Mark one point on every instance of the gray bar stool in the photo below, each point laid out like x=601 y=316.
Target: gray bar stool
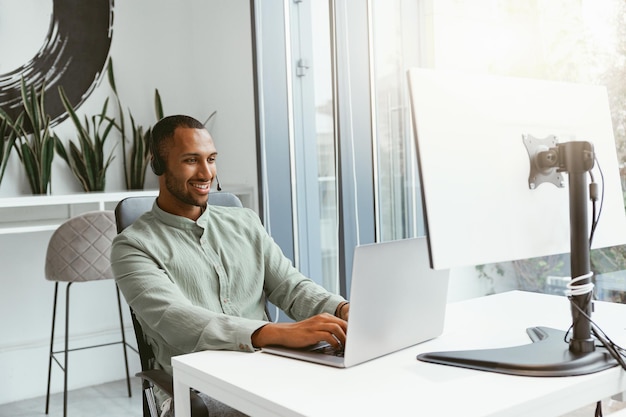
x=79 y=251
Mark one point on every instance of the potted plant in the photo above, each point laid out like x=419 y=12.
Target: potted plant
x=33 y=139
x=87 y=159
x=135 y=160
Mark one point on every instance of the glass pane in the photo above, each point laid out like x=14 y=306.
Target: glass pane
x=395 y=43
x=325 y=137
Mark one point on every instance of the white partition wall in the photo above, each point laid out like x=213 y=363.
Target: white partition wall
x=199 y=56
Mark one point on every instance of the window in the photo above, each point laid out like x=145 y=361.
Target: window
x=574 y=41
x=314 y=107
x=335 y=116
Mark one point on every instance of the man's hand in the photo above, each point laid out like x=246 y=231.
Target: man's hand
x=321 y=328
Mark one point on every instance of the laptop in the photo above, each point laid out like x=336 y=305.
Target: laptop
x=396 y=301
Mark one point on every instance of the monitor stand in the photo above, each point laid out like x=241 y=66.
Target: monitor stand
x=550 y=354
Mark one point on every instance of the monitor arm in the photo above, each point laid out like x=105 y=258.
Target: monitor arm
x=548 y=160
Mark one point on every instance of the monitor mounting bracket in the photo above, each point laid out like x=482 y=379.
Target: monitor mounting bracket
x=543 y=161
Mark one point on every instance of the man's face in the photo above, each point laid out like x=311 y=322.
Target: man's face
x=190 y=169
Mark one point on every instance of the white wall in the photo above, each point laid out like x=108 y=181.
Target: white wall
x=198 y=54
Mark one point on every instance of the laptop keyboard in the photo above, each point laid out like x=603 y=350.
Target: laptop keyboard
x=328 y=349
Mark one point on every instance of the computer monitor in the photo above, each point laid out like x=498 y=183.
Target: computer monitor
x=483 y=144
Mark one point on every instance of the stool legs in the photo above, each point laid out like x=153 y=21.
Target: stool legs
x=124 y=345
x=67 y=337
x=66 y=350
x=51 y=354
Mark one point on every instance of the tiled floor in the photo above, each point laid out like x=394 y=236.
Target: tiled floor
x=111 y=400
x=106 y=400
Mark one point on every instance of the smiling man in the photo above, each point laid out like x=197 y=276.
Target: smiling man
x=198 y=276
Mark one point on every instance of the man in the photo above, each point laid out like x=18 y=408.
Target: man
x=197 y=276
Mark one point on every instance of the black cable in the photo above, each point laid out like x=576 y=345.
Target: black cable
x=616 y=351
x=593 y=194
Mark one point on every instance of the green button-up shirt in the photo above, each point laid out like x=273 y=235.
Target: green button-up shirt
x=198 y=285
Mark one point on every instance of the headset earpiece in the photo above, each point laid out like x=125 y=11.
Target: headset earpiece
x=156 y=163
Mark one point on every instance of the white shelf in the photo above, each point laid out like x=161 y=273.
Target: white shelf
x=39 y=213
x=68 y=199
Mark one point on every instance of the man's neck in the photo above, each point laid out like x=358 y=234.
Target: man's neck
x=184 y=210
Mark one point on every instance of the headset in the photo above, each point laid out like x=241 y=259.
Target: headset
x=156 y=162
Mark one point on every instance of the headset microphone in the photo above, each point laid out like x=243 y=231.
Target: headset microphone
x=219 y=187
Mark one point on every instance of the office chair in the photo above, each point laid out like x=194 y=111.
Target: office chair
x=79 y=251
x=126 y=212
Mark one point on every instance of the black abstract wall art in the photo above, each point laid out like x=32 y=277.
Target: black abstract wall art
x=73 y=55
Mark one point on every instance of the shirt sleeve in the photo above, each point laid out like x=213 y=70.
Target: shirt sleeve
x=298 y=296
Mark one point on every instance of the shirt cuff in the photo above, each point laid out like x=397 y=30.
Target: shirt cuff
x=243 y=342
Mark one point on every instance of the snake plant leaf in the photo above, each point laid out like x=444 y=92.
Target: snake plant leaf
x=4 y=116
x=158 y=105
x=107 y=163
x=8 y=137
x=139 y=156
x=70 y=111
x=47 y=156
x=30 y=165
x=60 y=149
x=78 y=167
x=111 y=76
x=29 y=101
x=90 y=162
x=15 y=126
x=208 y=119
x=10 y=123
x=5 y=131
x=143 y=156
x=86 y=159
x=108 y=128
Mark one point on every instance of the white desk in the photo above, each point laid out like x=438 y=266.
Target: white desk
x=261 y=384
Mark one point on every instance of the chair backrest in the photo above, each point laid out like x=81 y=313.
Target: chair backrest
x=126 y=212
x=80 y=249
x=129 y=209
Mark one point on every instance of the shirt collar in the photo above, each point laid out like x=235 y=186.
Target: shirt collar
x=180 y=221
